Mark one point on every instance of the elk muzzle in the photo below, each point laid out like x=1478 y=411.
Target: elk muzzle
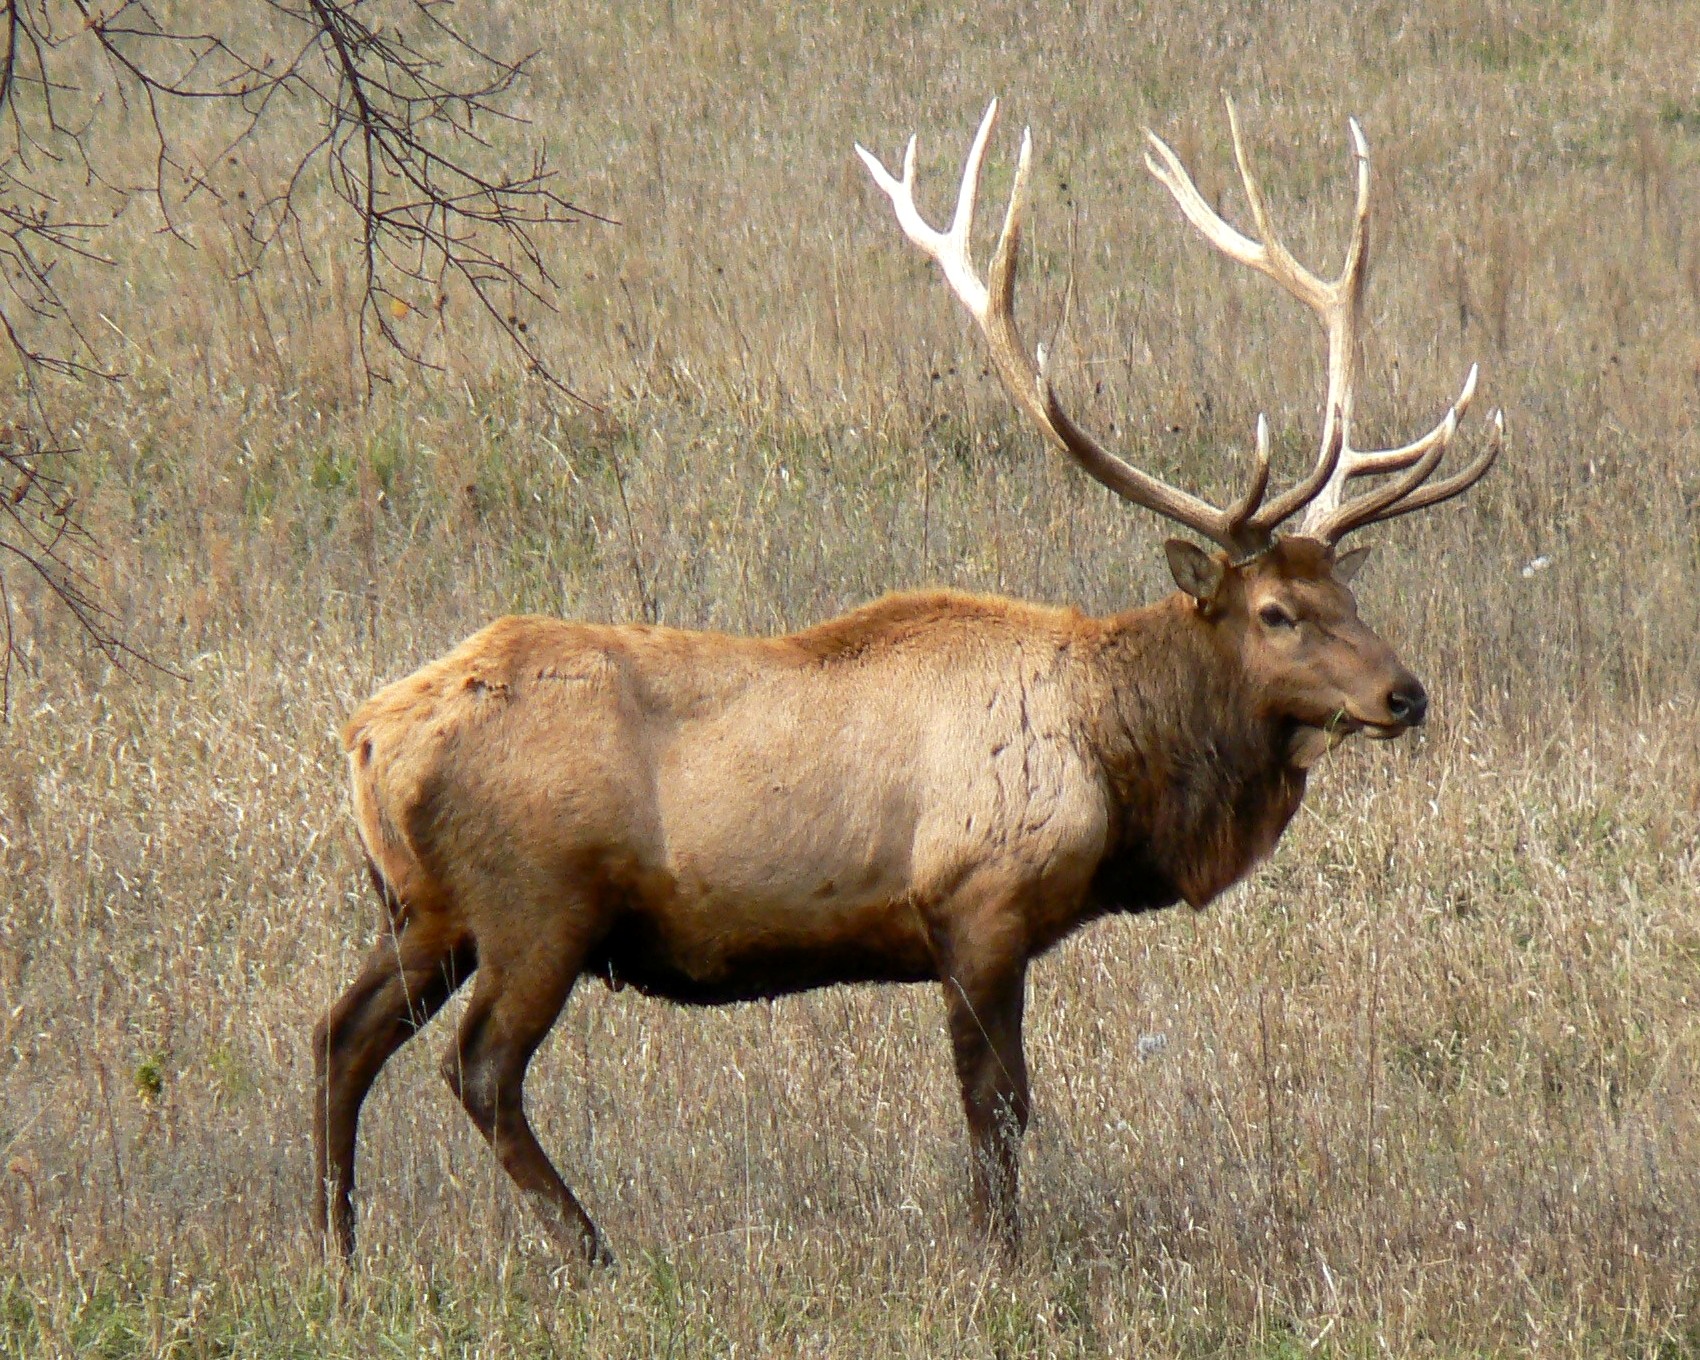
x=1406 y=704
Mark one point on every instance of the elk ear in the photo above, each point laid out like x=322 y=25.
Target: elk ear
x=1346 y=565
x=1195 y=571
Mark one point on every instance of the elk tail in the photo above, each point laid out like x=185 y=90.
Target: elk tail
x=394 y=867
x=394 y=912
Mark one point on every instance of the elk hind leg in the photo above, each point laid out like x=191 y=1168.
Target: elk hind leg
x=404 y=981
x=514 y=1004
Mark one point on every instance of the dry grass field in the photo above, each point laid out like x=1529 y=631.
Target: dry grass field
x=1428 y=1084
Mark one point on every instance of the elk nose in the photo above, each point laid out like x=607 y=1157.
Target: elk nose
x=1408 y=703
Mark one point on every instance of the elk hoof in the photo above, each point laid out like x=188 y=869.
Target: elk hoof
x=598 y=1254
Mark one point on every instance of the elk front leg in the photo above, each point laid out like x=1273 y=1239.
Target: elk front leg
x=985 y=1004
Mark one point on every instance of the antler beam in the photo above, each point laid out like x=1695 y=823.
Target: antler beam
x=1338 y=305
x=1241 y=529
x=1247 y=526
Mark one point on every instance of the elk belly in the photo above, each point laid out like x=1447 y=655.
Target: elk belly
x=769 y=885
x=706 y=948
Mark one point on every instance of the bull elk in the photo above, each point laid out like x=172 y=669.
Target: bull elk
x=712 y=819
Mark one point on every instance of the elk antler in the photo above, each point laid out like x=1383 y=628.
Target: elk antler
x=1244 y=528
x=1338 y=305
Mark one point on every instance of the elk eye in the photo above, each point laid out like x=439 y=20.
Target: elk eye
x=1274 y=616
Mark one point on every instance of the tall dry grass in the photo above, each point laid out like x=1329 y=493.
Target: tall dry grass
x=1426 y=1085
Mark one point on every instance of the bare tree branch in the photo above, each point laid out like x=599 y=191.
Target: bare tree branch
x=41 y=533
x=386 y=103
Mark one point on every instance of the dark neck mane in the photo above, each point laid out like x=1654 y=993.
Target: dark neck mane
x=1200 y=783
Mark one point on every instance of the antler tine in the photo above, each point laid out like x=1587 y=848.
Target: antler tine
x=1346 y=298
x=950 y=248
x=993 y=307
x=1306 y=490
x=1326 y=508
x=1278 y=262
x=1368 y=462
x=1331 y=521
x=1173 y=176
x=1443 y=490
x=1331 y=528
x=1241 y=513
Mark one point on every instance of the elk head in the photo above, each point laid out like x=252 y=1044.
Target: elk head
x=1288 y=619
x=1280 y=602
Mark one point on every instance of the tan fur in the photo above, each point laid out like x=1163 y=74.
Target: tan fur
x=936 y=786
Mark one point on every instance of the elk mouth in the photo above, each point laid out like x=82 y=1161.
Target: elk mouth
x=1385 y=731
x=1389 y=730
x=1309 y=742
x=1344 y=724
